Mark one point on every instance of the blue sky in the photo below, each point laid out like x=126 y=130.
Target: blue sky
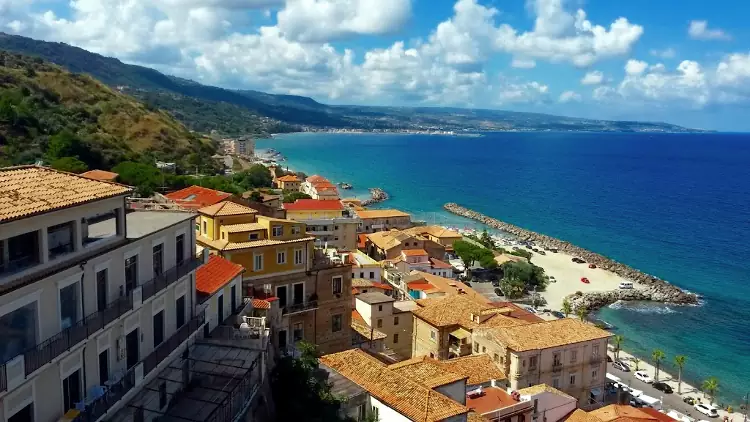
x=684 y=62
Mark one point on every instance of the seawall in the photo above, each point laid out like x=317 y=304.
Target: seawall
x=654 y=288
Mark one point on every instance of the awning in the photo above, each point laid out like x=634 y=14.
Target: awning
x=613 y=378
x=460 y=334
x=596 y=392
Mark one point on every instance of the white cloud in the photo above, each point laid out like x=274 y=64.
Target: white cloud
x=698 y=30
x=635 y=67
x=595 y=77
x=569 y=96
x=667 y=53
x=510 y=92
x=523 y=63
x=327 y=20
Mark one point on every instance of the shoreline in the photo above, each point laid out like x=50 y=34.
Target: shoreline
x=651 y=288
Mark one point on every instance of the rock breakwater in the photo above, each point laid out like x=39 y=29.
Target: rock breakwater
x=376 y=195
x=651 y=287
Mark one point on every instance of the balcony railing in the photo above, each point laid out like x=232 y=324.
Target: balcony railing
x=167 y=278
x=300 y=307
x=99 y=407
x=460 y=349
x=557 y=367
x=3 y=378
x=595 y=360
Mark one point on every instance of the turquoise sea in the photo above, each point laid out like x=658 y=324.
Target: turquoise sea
x=673 y=205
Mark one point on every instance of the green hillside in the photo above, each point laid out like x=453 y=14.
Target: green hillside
x=41 y=103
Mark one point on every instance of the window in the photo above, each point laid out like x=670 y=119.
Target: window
x=395 y=320
x=277 y=231
x=298 y=257
x=532 y=361
x=380 y=308
x=69 y=305
x=158 y=256
x=162 y=395
x=19 y=331
x=253 y=236
x=573 y=356
x=205 y=228
x=556 y=359
x=395 y=338
x=595 y=350
x=556 y=382
x=572 y=380
x=594 y=374
x=336 y=323
x=180 y=311
x=101 y=290
x=496 y=357
x=60 y=239
x=180 y=249
x=335 y=227
x=103 y=366
x=476 y=347
x=296 y=230
x=281 y=257
x=258 y=263
x=372 y=275
x=131 y=273
x=380 y=323
x=338 y=285
x=72 y=390
x=484 y=349
x=433 y=336
x=222 y=235
x=297 y=332
x=158 y=321
x=361 y=274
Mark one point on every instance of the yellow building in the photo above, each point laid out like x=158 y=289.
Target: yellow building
x=327 y=220
x=437 y=234
x=380 y=220
x=289 y=182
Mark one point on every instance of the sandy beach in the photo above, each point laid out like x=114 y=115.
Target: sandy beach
x=568 y=275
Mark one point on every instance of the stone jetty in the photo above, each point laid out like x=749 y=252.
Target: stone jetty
x=651 y=287
x=376 y=195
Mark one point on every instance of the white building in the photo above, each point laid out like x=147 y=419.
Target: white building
x=94 y=301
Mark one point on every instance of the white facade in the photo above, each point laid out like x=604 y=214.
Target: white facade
x=550 y=406
x=74 y=325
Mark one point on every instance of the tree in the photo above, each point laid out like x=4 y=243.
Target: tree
x=256 y=196
x=257 y=176
x=521 y=252
x=582 y=313
x=710 y=387
x=145 y=178
x=680 y=361
x=657 y=355
x=69 y=164
x=486 y=240
x=299 y=390
x=636 y=361
x=466 y=251
x=293 y=196
x=63 y=144
x=618 y=340
x=567 y=309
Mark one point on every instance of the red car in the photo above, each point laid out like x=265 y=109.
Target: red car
x=585 y=280
x=592 y=265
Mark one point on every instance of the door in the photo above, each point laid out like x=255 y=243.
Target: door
x=24 y=415
x=180 y=310
x=282 y=340
x=103 y=367
x=72 y=390
x=132 y=348
x=158 y=328
x=101 y=290
x=220 y=310
x=282 y=295
x=299 y=292
x=233 y=299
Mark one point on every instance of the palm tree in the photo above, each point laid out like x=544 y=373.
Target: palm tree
x=566 y=308
x=711 y=386
x=618 y=340
x=636 y=361
x=680 y=361
x=658 y=356
x=582 y=313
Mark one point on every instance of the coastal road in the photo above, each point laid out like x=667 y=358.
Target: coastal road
x=669 y=401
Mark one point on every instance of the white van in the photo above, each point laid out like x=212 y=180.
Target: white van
x=626 y=285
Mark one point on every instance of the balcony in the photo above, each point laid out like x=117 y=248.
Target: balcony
x=123 y=384
x=557 y=367
x=167 y=278
x=300 y=307
x=596 y=360
x=459 y=349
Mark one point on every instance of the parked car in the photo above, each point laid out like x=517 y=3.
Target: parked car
x=663 y=387
x=609 y=358
x=552 y=279
x=690 y=400
x=707 y=410
x=496 y=283
x=622 y=366
x=558 y=314
x=592 y=265
x=585 y=280
x=643 y=376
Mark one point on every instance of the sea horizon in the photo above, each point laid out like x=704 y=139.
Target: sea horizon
x=659 y=202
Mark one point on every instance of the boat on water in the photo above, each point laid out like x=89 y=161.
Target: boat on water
x=345 y=185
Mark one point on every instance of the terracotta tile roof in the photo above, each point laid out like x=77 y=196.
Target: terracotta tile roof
x=436 y=263
x=386 y=240
x=518 y=312
x=361 y=241
x=494 y=399
x=661 y=417
x=261 y=304
x=359 y=325
x=411 y=399
x=579 y=415
x=316 y=178
x=458 y=310
x=215 y=274
x=226 y=208
x=103 y=175
x=479 y=368
x=475 y=417
x=426 y=371
x=313 y=205
x=546 y=334
x=542 y=388
x=224 y=245
x=384 y=286
x=244 y=227
x=414 y=252
x=621 y=413
x=195 y=197
x=288 y=178
x=435 y=231
x=361 y=282
x=355 y=291
x=452 y=287
x=382 y=213
x=32 y=190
